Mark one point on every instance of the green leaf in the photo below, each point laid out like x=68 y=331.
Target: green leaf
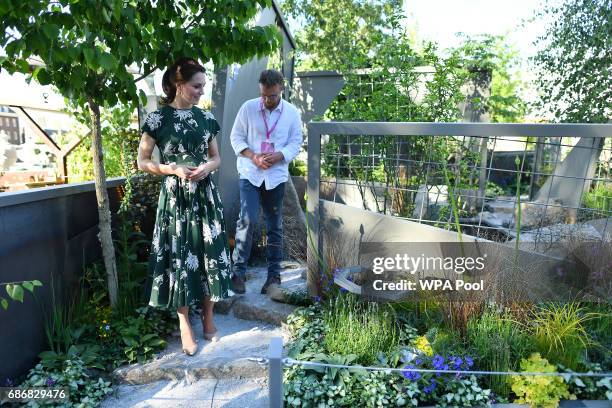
x=43 y=77
x=124 y=47
x=28 y=286
x=15 y=292
x=89 y=58
x=36 y=282
x=107 y=61
x=4 y=303
x=51 y=31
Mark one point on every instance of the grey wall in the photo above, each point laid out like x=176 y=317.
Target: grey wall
x=47 y=233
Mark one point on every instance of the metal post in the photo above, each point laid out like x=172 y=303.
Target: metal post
x=275 y=372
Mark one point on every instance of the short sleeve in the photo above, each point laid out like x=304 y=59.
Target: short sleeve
x=213 y=125
x=152 y=124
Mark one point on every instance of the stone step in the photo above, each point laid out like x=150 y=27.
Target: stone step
x=252 y=393
x=230 y=358
x=254 y=306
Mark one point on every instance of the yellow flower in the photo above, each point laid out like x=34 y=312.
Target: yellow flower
x=422 y=344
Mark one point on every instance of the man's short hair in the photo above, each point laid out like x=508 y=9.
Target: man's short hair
x=271 y=77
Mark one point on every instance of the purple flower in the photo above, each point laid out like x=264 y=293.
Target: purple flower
x=437 y=361
x=50 y=382
x=430 y=388
x=107 y=327
x=411 y=375
x=418 y=361
x=456 y=362
x=343 y=289
x=317 y=299
x=469 y=362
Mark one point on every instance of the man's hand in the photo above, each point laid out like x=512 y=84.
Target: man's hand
x=259 y=159
x=199 y=173
x=273 y=158
x=184 y=172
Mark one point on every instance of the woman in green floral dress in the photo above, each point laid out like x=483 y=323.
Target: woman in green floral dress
x=190 y=258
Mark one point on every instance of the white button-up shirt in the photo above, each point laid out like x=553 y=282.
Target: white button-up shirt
x=250 y=130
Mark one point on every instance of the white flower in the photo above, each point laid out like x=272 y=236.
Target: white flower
x=154 y=120
x=192 y=122
x=172 y=201
x=207 y=235
x=223 y=257
x=212 y=264
x=183 y=114
x=156 y=240
x=177 y=127
x=170 y=183
x=217 y=225
x=158 y=280
x=215 y=298
x=174 y=244
x=209 y=194
x=181 y=148
x=168 y=149
x=172 y=280
x=192 y=261
x=184 y=274
x=208 y=115
x=177 y=226
x=214 y=232
x=230 y=292
x=192 y=186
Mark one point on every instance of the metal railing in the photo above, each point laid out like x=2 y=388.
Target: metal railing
x=276 y=362
x=395 y=168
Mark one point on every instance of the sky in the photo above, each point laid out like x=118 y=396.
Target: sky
x=439 y=20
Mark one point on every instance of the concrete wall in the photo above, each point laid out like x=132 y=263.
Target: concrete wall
x=47 y=233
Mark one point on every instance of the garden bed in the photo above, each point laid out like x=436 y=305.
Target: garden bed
x=344 y=330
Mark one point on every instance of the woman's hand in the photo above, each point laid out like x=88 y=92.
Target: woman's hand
x=199 y=173
x=184 y=172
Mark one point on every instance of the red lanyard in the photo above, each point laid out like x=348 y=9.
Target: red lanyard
x=263 y=115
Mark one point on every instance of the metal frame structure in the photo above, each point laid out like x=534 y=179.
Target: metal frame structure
x=317 y=129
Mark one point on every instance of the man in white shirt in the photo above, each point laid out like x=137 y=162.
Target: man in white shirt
x=266 y=136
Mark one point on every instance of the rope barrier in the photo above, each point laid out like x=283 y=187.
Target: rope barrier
x=290 y=361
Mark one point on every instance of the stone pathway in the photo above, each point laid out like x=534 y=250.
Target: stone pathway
x=221 y=374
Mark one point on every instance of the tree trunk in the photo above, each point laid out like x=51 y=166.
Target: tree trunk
x=104 y=214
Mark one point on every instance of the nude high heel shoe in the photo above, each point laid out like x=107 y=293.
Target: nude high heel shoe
x=190 y=351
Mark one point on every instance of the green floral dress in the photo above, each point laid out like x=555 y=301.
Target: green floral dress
x=190 y=256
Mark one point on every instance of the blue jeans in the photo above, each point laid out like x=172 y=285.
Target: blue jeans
x=251 y=198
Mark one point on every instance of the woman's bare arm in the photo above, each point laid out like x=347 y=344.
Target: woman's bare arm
x=145 y=150
x=212 y=164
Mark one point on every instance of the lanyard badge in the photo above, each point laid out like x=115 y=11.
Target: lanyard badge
x=267 y=146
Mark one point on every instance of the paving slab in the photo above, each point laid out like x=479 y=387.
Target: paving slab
x=229 y=358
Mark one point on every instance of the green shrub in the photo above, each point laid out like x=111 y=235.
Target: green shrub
x=297 y=167
x=499 y=344
x=84 y=390
x=599 y=329
x=360 y=328
x=589 y=388
x=560 y=335
x=600 y=200
x=539 y=391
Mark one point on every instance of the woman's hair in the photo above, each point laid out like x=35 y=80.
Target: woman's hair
x=178 y=73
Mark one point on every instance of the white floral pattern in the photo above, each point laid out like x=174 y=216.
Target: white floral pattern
x=192 y=261
x=189 y=243
x=154 y=120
